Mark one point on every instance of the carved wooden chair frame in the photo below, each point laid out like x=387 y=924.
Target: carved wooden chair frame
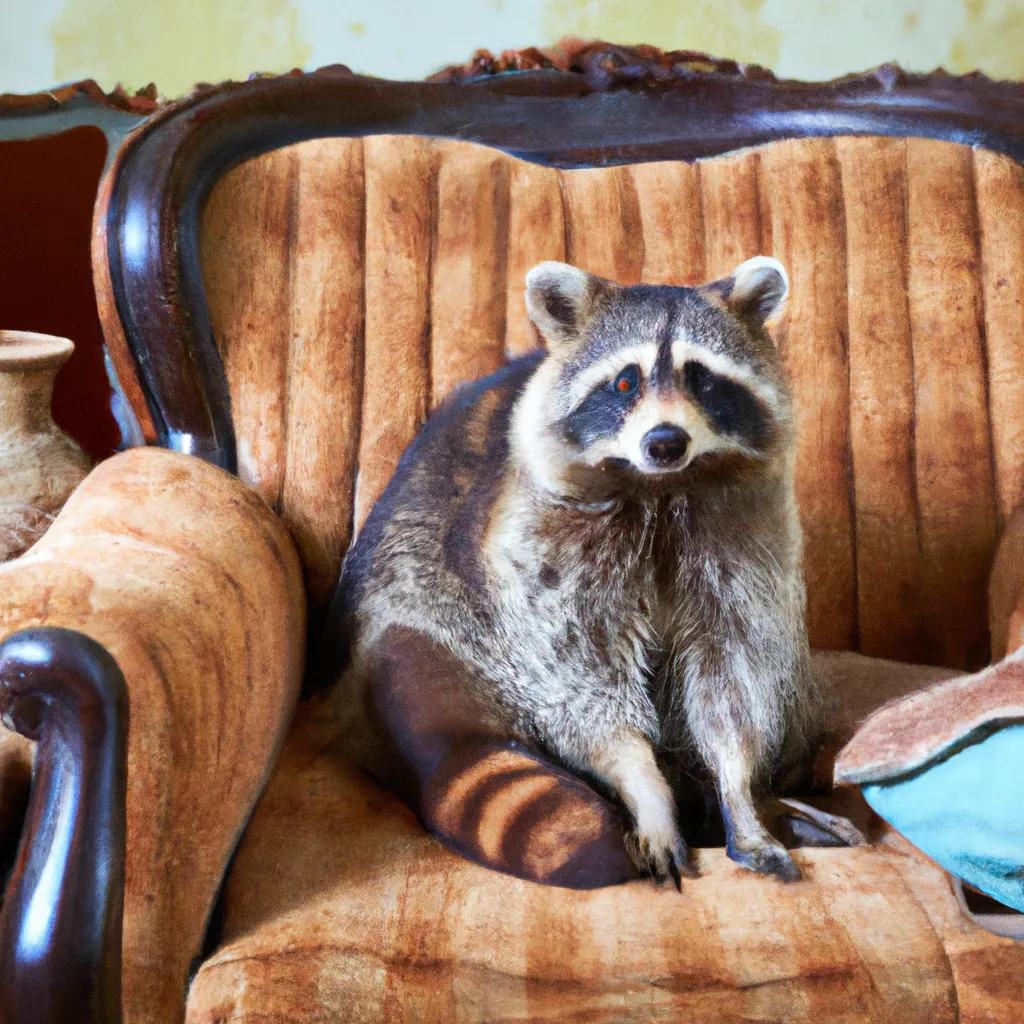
x=612 y=106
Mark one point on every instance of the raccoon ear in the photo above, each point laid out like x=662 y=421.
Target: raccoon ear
x=560 y=299
x=755 y=290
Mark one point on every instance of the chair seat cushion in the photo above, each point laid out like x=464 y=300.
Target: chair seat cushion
x=340 y=907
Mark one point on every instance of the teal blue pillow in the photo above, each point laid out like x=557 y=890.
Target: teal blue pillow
x=966 y=811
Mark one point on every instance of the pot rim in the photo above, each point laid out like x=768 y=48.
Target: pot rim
x=26 y=350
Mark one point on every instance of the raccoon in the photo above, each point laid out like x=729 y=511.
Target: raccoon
x=602 y=539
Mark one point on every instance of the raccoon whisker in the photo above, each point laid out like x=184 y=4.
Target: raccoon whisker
x=752 y=453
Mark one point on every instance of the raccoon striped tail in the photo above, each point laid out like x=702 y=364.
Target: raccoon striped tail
x=487 y=798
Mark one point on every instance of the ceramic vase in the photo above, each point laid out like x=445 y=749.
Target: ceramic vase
x=39 y=464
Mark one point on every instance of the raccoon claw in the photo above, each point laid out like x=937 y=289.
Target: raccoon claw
x=680 y=865
x=673 y=870
x=766 y=858
x=662 y=859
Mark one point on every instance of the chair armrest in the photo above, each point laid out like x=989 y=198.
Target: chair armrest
x=60 y=924
x=193 y=586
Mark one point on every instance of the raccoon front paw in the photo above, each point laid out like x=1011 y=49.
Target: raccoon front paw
x=661 y=853
x=766 y=856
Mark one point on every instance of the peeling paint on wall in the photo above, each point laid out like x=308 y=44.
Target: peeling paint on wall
x=992 y=37
x=179 y=44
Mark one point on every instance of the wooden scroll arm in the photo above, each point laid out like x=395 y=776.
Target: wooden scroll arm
x=60 y=923
x=626 y=106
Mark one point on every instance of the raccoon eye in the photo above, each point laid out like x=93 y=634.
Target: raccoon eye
x=628 y=381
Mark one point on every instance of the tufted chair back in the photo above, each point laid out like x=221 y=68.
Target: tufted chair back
x=354 y=283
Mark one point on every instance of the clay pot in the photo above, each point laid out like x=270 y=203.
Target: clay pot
x=39 y=464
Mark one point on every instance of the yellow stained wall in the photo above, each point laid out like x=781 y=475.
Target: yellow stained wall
x=176 y=43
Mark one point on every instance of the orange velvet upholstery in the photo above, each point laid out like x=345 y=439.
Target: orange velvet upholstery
x=354 y=283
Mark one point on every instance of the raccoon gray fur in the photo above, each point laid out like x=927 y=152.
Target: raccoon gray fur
x=606 y=536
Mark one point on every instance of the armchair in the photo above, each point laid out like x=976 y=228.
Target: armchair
x=291 y=273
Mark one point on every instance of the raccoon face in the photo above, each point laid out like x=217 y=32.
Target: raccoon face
x=648 y=381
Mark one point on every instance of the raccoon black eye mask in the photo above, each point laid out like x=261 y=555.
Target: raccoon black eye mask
x=604 y=410
x=732 y=409
x=513 y=633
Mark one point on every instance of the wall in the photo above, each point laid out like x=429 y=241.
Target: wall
x=178 y=42
x=47 y=188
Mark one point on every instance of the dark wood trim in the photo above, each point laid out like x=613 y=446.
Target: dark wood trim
x=60 y=923
x=612 y=105
x=603 y=64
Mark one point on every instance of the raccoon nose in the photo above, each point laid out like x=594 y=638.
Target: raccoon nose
x=665 y=445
